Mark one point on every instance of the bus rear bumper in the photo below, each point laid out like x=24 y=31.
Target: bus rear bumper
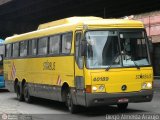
x=97 y=99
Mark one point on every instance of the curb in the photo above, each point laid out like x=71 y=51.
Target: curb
x=3 y=90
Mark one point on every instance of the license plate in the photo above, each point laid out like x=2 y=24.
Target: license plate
x=123 y=100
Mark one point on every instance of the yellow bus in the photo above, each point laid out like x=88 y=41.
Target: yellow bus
x=82 y=61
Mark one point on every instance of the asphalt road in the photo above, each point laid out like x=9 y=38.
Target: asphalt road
x=42 y=109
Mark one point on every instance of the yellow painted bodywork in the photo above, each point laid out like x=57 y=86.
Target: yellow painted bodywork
x=118 y=77
x=33 y=71
x=75 y=23
x=65 y=68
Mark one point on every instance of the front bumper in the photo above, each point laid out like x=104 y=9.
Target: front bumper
x=97 y=99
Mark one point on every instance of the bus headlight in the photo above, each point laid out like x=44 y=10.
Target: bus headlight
x=101 y=88
x=94 y=88
x=144 y=85
x=147 y=85
x=98 y=88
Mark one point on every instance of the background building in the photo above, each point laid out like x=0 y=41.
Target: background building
x=151 y=21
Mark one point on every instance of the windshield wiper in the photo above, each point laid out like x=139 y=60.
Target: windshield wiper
x=109 y=67
x=137 y=66
x=112 y=62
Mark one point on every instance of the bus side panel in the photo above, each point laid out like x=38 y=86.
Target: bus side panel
x=9 y=82
x=80 y=86
x=45 y=76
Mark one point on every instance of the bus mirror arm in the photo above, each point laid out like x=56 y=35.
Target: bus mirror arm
x=83 y=48
x=80 y=62
x=150 y=44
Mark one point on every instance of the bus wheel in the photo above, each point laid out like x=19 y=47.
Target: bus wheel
x=27 y=96
x=20 y=96
x=122 y=106
x=69 y=102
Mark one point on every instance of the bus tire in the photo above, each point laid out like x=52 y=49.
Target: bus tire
x=122 y=106
x=69 y=103
x=19 y=93
x=27 y=96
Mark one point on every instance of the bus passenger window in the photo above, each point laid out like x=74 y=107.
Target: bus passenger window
x=42 y=46
x=32 y=47
x=8 y=50
x=15 y=49
x=54 y=44
x=66 y=43
x=23 y=48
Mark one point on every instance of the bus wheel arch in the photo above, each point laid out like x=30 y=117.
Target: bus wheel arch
x=64 y=90
x=67 y=98
x=20 y=90
x=26 y=93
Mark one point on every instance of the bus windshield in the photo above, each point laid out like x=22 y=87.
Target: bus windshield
x=116 y=48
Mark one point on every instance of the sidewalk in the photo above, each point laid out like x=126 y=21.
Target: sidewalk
x=156 y=84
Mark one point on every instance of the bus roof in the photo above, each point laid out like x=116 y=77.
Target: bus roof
x=67 y=21
x=69 y=24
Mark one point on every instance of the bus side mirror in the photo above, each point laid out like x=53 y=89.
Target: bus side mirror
x=83 y=48
x=80 y=62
